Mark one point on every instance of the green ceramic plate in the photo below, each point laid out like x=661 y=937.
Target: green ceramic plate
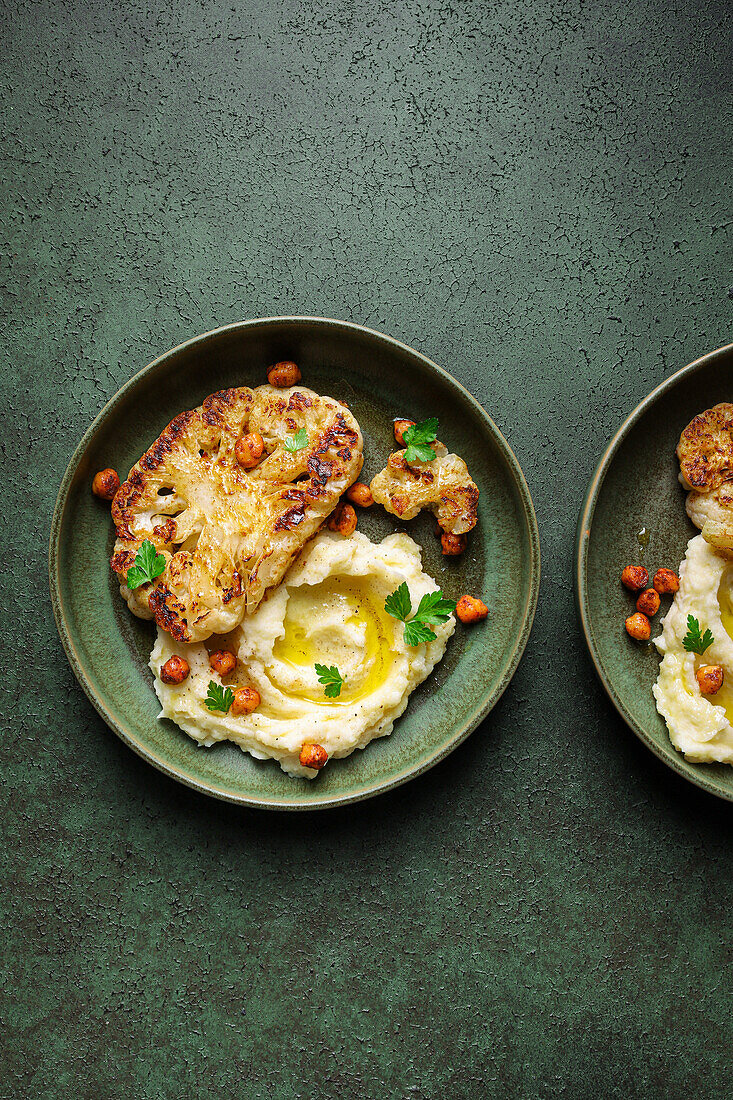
x=379 y=378
x=635 y=486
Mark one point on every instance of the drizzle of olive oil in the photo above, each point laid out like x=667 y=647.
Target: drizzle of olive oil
x=358 y=606
x=642 y=538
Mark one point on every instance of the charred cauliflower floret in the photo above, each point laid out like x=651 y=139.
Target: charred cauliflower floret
x=443 y=485
x=705 y=451
x=228 y=533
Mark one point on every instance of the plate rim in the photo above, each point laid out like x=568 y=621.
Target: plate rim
x=582 y=539
x=221 y=791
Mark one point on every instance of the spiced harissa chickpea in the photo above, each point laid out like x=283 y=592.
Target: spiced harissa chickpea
x=283 y=374
x=709 y=679
x=400 y=427
x=635 y=577
x=313 y=755
x=248 y=450
x=452 y=544
x=360 y=494
x=245 y=701
x=175 y=670
x=223 y=661
x=666 y=582
x=343 y=519
x=106 y=483
x=469 y=609
x=639 y=627
x=648 y=602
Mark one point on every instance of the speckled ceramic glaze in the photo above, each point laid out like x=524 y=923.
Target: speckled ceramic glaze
x=636 y=486
x=379 y=378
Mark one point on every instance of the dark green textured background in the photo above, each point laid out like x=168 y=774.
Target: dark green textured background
x=537 y=197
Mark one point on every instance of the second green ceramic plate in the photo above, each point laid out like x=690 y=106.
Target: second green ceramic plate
x=635 y=487
x=379 y=378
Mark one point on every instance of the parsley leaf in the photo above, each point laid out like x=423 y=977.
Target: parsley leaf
x=417 y=632
x=219 y=697
x=432 y=609
x=399 y=605
x=417 y=437
x=419 y=452
x=332 y=678
x=149 y=564
x=694 y=641
x=296 y=442
x=424 y=432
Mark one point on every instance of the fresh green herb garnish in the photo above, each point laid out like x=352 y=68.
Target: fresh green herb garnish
x=219 y=697
x=417 y=437
x=399 y=604
x=694 y=641
x=149 y=564
x=296 y=442
x=432 y=609
x=332 y=678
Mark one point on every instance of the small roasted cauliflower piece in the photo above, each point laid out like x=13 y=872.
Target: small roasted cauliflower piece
x=713 y=513
x=229 y=533
x=444 y=486
x=705 y=449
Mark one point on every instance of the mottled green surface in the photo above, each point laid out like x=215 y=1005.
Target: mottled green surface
x=538 y=198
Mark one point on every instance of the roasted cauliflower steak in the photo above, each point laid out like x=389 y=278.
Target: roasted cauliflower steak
x=443 y=485
x=229 y=534
x=705 y=453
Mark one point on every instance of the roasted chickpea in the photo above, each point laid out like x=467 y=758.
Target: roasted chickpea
x=400 y=427
x=648 y=602
x=106 y=483
x=284 y=374
x=223 y=662
x=360 y=494
x=343 y=519
x=666 y=581
x=312 y=755
x=452 y=544
x=469 y=609
x=248 y=449
x=245 y=701
x=175 y=670
x=639 y=627
x=709 y=679
x=635 y=577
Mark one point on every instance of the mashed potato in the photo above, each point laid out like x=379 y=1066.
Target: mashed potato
x=328 y=609
x=699 y=725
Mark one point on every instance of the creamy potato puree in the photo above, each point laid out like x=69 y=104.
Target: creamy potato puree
x=328 y=609
x=700 y=726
